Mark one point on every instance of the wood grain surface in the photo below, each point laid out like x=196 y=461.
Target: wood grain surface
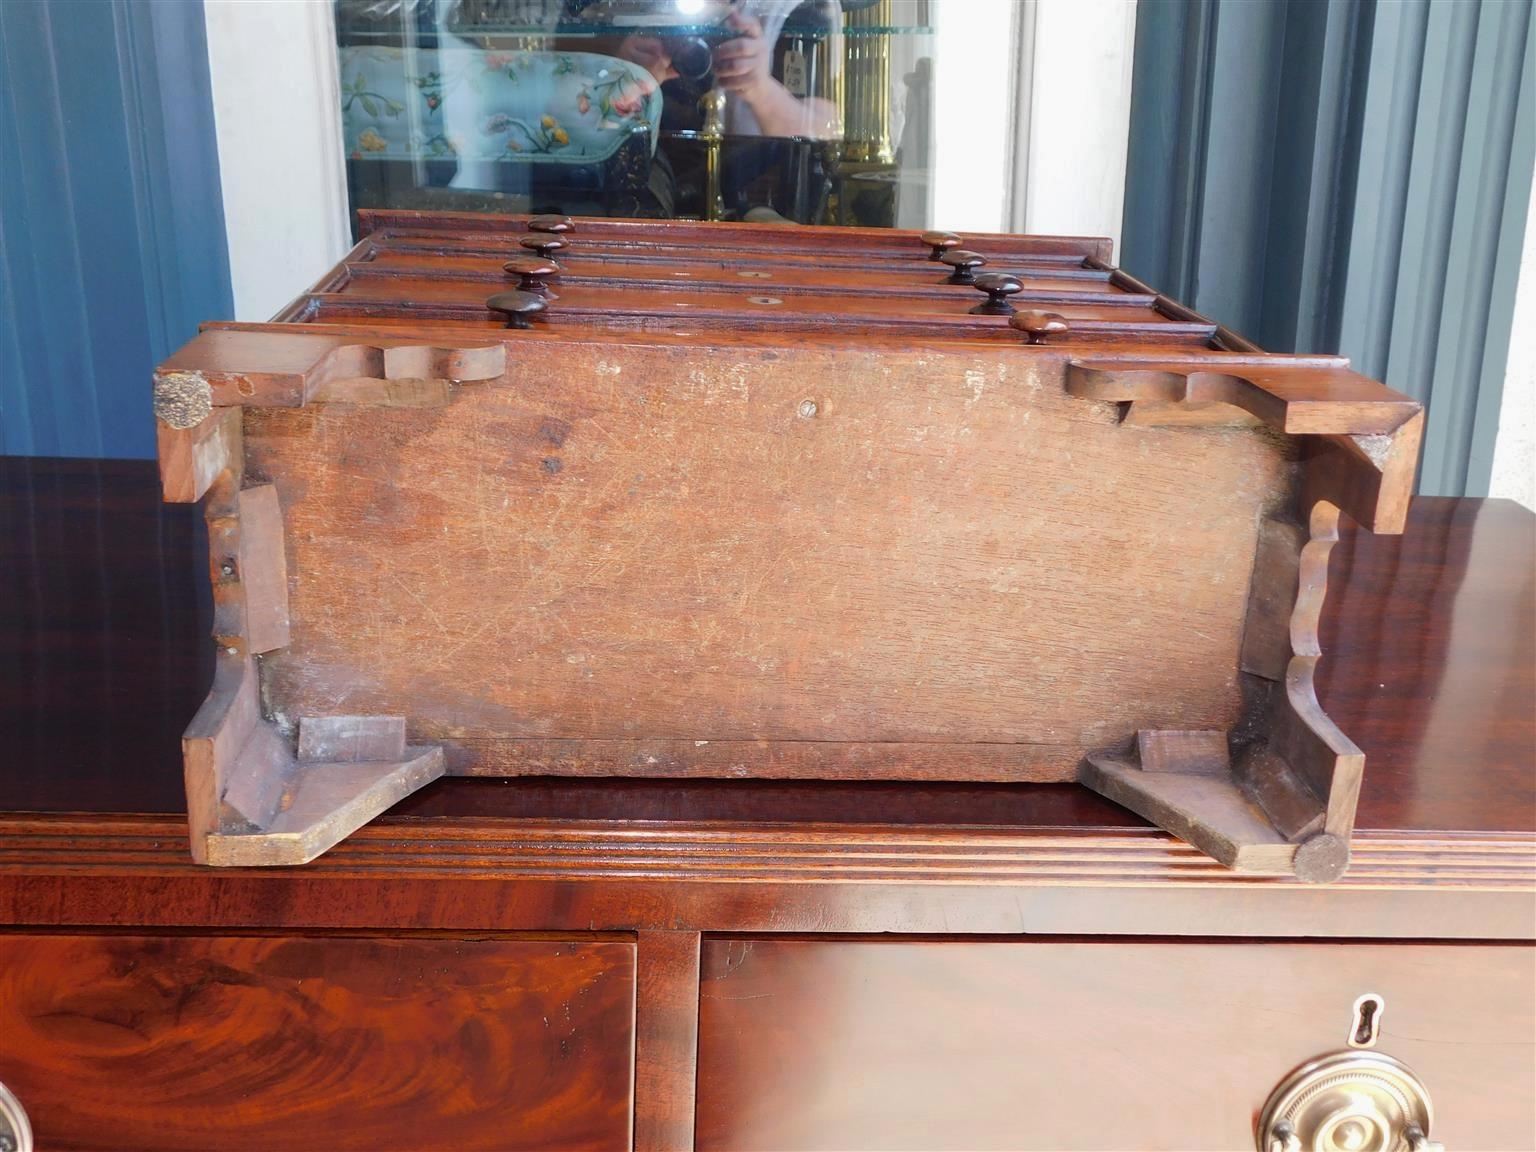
x=1045 y=281
x=666 y=1039
x=670 y=546
x=845 y=1045
x=201 y=1042
x=680 y=235
x=1429 y=644
x=677 y=279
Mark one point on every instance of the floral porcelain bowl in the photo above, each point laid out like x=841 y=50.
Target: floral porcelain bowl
x=486 y=108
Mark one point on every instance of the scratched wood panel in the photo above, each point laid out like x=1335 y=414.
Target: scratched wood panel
x=616 y=550
x=189 y=1042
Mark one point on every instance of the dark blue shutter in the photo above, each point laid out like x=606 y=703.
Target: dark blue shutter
x=112 y=245
x=1345 y=176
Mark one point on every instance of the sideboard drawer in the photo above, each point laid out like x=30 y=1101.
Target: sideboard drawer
x=198 y=1042
x=1113 y=1044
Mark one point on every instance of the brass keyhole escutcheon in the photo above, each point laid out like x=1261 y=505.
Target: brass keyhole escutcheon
x=1358 y=1101
x=1367 y=1023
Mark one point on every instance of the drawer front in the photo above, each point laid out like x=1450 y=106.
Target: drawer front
x=186 y=1042
x=930 y=1045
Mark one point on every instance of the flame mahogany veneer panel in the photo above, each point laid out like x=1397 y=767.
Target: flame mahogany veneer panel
x=834 y=563
x=194 y=1042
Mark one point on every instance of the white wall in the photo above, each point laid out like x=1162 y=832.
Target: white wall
x=1514 y=452
x=973 y=66
x=1072 y=147
x=277 y=111
x=1032 y=115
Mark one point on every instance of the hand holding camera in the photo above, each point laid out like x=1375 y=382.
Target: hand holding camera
x=743 y=63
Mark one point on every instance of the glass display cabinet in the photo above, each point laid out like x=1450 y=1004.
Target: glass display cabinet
x=812 y=111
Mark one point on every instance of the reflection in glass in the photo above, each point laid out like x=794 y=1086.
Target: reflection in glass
x=812 y=111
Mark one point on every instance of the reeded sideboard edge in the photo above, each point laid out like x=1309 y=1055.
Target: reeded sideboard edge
x=546 y=875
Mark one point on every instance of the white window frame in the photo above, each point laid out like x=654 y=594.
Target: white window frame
x=277 y=114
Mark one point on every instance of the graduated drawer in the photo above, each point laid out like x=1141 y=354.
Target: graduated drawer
x=1124 y=1045
x=258 y=1042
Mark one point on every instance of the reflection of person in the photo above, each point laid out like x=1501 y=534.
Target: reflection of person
x=758 y=104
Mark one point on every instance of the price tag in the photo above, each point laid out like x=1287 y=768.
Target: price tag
x=796 y=77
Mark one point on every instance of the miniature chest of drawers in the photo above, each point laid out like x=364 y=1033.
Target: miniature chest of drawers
x=758 y=502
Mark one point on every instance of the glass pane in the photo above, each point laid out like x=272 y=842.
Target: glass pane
x=813 y=111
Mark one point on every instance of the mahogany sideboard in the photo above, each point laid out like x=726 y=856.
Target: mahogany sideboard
x=534 y=963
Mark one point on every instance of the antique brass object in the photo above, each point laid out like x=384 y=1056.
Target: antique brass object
x=15 y=1130
x=713 y=134
x=1348 y=1102
x=866 y=97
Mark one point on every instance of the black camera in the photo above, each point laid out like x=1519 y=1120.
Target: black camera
x=687 y=29
x=692 y=56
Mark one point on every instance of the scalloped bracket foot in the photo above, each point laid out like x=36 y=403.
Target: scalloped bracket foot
x=254 y=795
x=1261 y=822
x=253 y=799
x=326 y=802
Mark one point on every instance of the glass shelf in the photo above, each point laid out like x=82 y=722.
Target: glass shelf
x=609 y=31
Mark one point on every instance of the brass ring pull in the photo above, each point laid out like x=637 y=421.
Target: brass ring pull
x=1284 y=1139
x=15 y=1130
x=1348 y=1102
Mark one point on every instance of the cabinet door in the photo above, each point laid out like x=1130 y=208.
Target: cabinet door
x=1124 y=1045
x=188 y=1042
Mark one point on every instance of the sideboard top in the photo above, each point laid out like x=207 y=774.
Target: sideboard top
x=1429 y=661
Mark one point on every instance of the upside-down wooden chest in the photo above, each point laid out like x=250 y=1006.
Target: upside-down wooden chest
x=522 y=496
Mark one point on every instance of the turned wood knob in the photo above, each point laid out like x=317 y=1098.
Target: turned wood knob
x=939 y=243
x=964 y=262
x=998 y=286
x=532 y=272
x=517 y=307
x=551 y=224
x=543 y=243
x=1036 y=326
